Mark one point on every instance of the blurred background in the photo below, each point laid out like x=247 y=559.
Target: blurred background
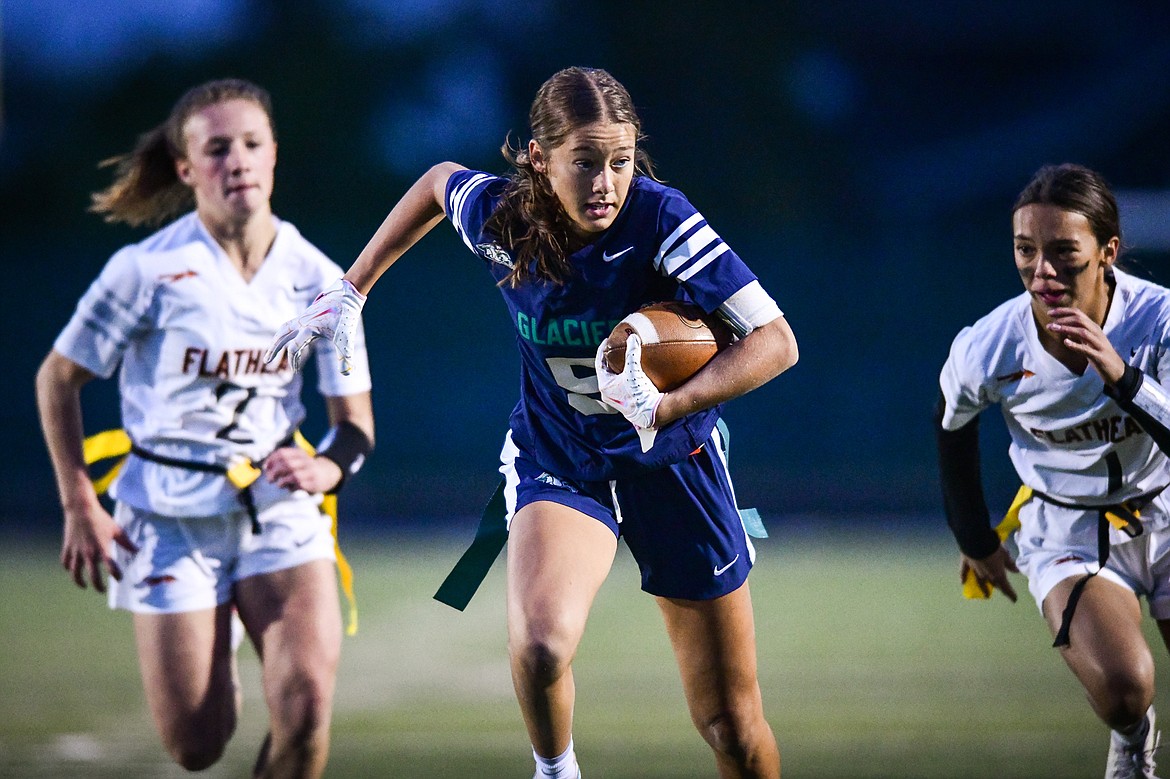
x=862 y=156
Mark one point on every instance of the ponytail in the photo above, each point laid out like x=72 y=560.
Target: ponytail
x=532 y=224
x=146 y=189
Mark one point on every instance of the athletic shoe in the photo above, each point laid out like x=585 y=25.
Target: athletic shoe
x=1134 y=761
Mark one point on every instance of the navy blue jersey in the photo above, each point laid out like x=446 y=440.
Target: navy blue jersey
x=659 y=248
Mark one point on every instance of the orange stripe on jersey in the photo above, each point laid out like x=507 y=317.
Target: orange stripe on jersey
x=173 y=277
x=1020 y=374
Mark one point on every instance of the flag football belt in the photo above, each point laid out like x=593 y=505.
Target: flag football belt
x=491 y=535
x=1125 y=516
x=109 y=444
x=242 y=474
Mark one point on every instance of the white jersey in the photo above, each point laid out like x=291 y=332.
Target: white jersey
x=1068 y=439
x=190 y=335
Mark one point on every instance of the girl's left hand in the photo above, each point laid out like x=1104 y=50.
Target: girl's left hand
x=334 y=315
x=631 y=392
x=293 y=468
x=1082 y=335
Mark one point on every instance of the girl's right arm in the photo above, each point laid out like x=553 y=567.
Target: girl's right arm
x=90 y=531
x=966 y=509
x=419 y=210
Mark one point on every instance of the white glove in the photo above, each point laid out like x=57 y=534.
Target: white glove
x=334 y=314
x=631 y=392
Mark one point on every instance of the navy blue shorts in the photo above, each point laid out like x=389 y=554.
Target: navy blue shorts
x=680 y=522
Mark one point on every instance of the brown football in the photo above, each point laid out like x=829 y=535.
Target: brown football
x=677 y=340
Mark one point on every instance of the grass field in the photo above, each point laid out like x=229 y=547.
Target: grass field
x=871 y=663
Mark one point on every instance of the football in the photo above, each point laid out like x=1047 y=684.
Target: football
x=677 y=340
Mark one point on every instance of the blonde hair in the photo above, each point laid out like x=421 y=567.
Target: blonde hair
x=146 y=189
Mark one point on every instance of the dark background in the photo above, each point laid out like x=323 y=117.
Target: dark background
x=861 y=156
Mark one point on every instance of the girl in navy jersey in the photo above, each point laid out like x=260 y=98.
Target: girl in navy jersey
x=200 y=531
x=576 y=238
x=1077 y=365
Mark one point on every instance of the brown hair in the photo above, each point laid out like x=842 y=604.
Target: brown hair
x=146 y=189
x=1075 y=188
x=529 y=220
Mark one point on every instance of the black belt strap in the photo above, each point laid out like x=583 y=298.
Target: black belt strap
x=1062 y=635
x=1128 y=511
x=245 y=494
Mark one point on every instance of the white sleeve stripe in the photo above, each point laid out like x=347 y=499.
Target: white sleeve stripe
x=460 y=193
x=688 y=248
x=706 y=259
x=458 y=198
x=704 y=240
x=466 y=241
x=678 y=233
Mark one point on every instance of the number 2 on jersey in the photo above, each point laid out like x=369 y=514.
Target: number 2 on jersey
x=226 y=431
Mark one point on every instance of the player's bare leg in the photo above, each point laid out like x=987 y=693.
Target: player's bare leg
x=294 y=619
x=1107 y=651
x=186 y=664
x=715 y=645
x=558 y=558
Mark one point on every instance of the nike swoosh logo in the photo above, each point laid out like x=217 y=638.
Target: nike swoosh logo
x=304 y=288
x=720 y=569
x=606 y=256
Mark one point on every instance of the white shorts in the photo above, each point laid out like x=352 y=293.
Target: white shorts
x=193 y=563
x=1056 y=543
